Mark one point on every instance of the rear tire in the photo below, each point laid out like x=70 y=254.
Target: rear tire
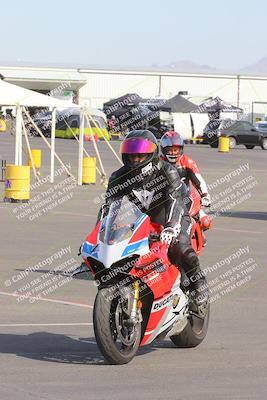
x=194 y=332
x=250 y=147
x=232 y=142
x=264 y=144
x=108 y=331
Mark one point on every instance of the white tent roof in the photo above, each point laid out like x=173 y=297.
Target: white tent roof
x=12 y=95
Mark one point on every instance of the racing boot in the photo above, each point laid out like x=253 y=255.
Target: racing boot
x=199 y=290
x=196 y=281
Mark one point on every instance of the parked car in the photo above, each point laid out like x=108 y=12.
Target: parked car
x=210 y=132
x=239 y=132
x=68 y=123
x=261 y=126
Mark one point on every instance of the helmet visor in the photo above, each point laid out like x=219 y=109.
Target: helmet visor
x=137 y=146
x=170 y=141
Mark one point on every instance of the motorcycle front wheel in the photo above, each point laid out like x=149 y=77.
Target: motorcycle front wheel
x=117 y=340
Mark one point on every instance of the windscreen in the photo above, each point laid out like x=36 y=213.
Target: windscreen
x=120 y=221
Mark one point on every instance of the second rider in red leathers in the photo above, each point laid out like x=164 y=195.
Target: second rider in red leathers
x=172 y=146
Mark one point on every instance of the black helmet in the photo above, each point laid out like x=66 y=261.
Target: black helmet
x=139 y=142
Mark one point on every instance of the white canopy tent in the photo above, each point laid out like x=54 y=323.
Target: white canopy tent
x=12 y=95
x=183 y=125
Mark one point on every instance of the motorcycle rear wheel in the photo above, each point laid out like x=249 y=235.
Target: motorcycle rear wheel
x=117 y=342
x=194 y=332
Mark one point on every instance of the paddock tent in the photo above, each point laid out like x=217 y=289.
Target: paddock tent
x=177 y=104
x=121 y=104
x=12 y=95
x=217 y=104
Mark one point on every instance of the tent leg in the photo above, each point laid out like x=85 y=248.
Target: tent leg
x=81 y=140
x=52 y=156
x=18 y=146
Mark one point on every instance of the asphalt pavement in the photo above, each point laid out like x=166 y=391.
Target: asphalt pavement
x=47 y=344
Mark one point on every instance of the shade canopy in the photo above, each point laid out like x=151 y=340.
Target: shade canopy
x=215 y=105
x=12 y=95
x=176 y=104
x=129 y=100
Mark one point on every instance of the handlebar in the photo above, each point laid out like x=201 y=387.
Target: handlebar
x=154 y=237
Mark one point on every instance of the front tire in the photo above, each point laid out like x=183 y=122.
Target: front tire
x=214 y=144
x=232 y=142
x=117 y=342
x=194 y=332
x=264 y=144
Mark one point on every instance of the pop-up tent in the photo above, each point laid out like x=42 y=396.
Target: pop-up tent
x=133 y=112
x=176 y=104
x=212 y=109
x=121 y=104
x=12 y=95
x=200 y=115
x=215 y=105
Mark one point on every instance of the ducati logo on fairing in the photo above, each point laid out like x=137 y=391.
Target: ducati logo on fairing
x=145 y=197
x=162 y=303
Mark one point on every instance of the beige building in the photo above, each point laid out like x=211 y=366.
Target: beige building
x=95 y=86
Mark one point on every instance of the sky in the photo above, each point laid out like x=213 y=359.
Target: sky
x=226 y=34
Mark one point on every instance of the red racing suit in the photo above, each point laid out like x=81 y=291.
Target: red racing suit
x=189 y=171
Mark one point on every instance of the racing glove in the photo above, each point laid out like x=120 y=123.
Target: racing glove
x=168 y=236
x=206 y=200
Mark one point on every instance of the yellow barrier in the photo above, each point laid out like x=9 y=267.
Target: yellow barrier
x=17 y=185
x=2 y=125
x=89 y=170
x=224 y=144
x=37 y=158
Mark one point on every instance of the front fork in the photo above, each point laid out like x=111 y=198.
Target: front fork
x=134 y=310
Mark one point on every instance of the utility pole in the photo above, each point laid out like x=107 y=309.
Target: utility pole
x=159 y=93
x=238 y=90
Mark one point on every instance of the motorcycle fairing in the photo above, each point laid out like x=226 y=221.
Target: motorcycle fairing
x=165 y=313
x=93 y=236
x=87 y=249
x=108 y=254
x=135 y=248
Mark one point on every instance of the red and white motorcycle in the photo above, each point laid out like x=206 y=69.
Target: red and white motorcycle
x=140 y=295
